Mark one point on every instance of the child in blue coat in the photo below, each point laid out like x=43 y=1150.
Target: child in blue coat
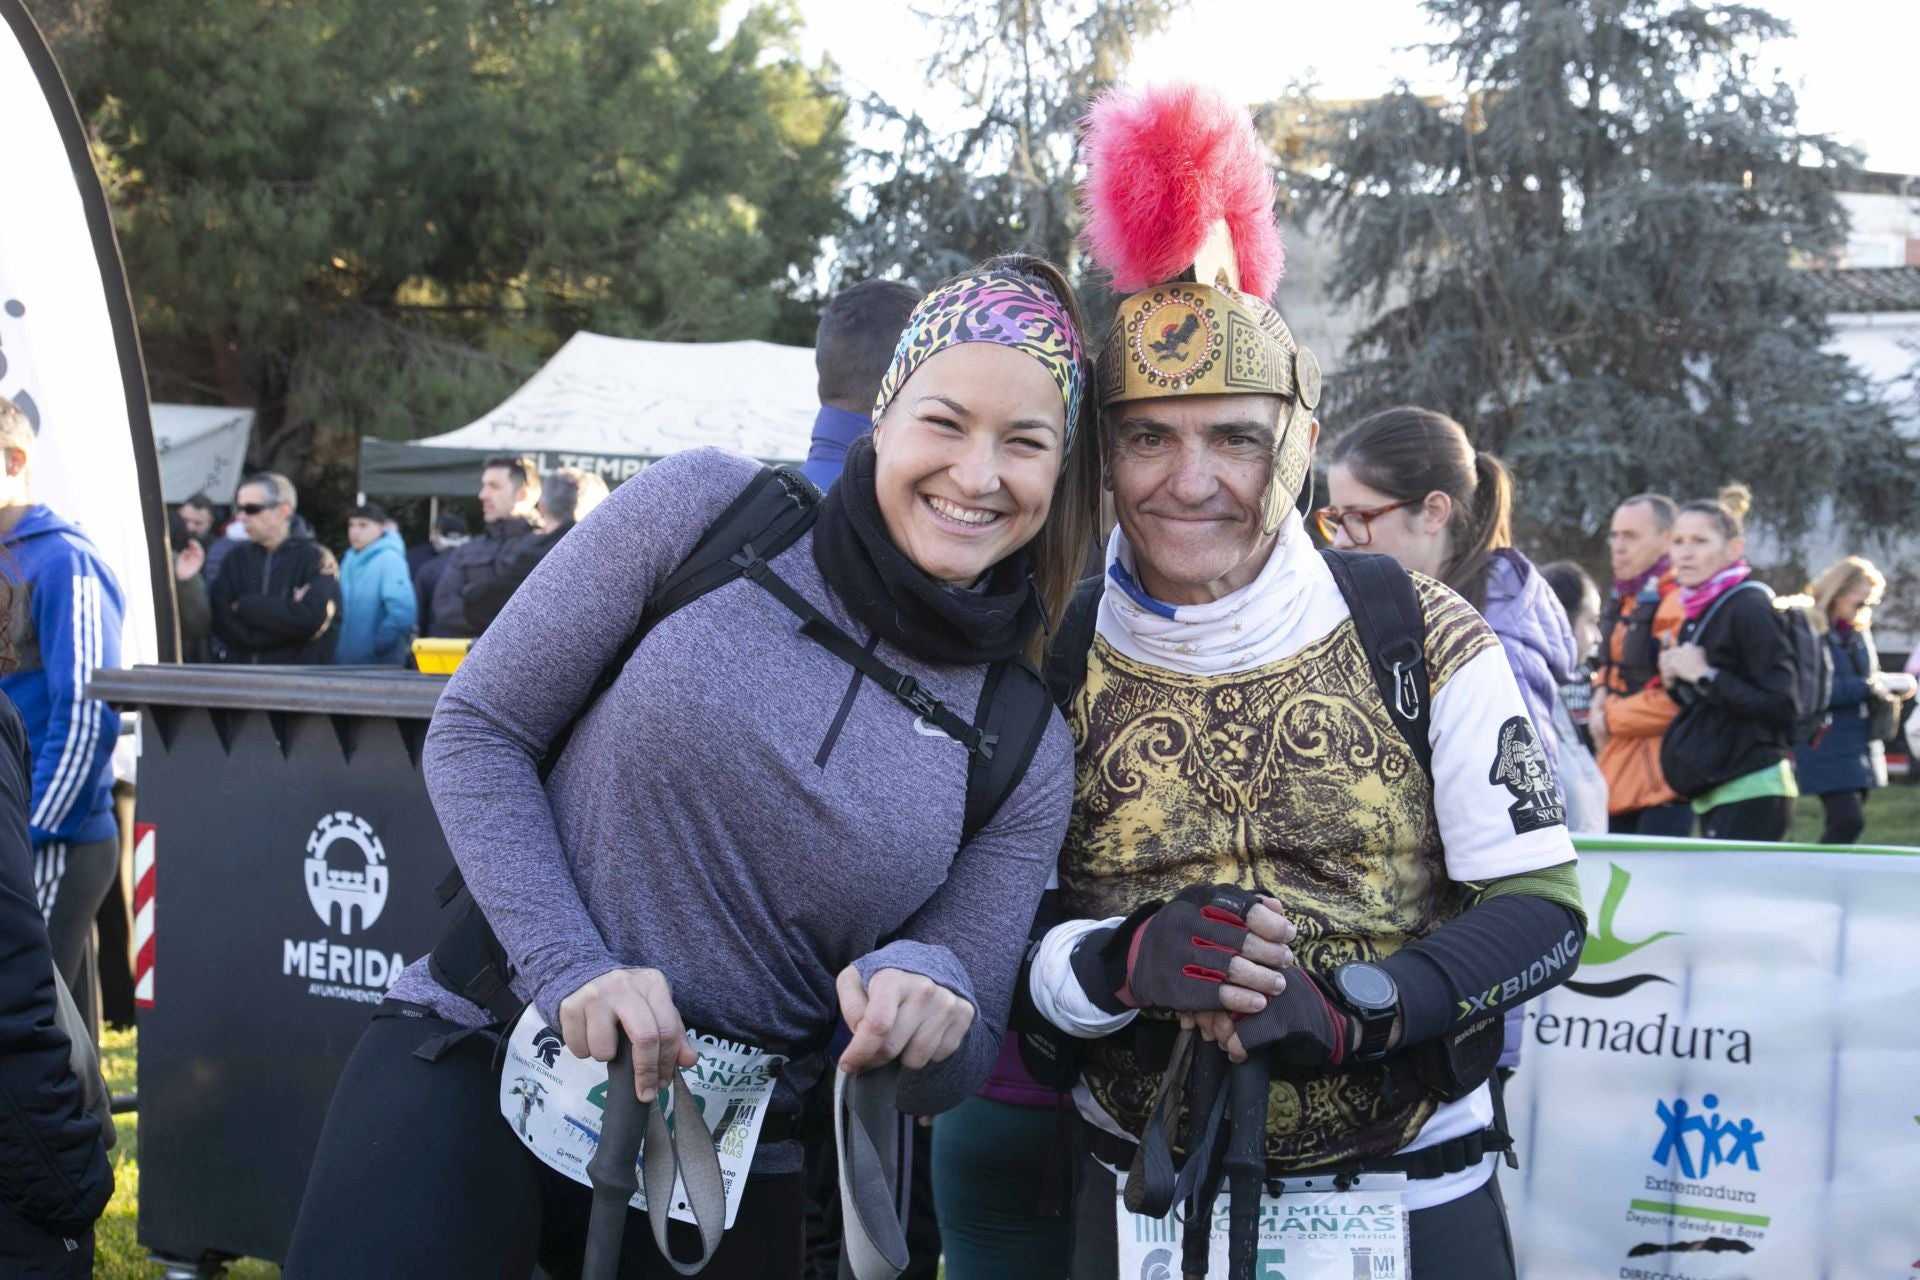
x=379 y=611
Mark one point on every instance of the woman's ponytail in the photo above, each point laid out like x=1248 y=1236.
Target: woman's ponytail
x=1487 y=527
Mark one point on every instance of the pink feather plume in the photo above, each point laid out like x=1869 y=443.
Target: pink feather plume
x=1164 y=165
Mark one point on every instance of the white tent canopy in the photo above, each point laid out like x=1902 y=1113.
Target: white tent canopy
x=611 y=405
x=202 y=449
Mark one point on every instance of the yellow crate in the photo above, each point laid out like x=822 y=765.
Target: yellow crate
x=439 y=657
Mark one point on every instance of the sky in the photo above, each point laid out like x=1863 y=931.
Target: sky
x=1847 y=59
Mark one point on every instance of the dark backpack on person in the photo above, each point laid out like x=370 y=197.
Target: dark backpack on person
x=1812 y=664
x=1386 y=612
x=770 y=515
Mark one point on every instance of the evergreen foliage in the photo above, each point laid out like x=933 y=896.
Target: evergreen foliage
x=370 y=217
x=1588 y=258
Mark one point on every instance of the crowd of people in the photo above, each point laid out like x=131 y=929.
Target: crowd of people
x=859 y=767
x=261 y=589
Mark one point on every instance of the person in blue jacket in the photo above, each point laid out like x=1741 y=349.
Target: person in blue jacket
x=1846 y=761
x=380 y=611
x=859 y=329
x=66 y=616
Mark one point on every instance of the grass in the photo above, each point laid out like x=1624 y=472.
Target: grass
x=117 y=1251
x=1893 y=817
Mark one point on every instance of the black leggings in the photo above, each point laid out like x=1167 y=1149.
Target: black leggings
x=418 y=1176
x=1846 y=816
x=1761 y=820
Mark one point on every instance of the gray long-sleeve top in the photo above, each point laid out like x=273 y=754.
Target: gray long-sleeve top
x=719 y=814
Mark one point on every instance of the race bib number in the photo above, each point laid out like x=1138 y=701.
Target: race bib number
x=1306 y=1234
x=554 y=1101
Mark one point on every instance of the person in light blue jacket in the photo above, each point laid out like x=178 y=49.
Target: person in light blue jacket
x=379 y=612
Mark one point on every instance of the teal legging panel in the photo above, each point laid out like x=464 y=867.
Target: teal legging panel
x=989 y=1168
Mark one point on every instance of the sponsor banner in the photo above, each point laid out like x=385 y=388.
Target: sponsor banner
x=1728 y=1088
x=69 y=356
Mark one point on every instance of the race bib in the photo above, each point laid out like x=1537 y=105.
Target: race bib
x=1311 y=1233
x=554 y=1101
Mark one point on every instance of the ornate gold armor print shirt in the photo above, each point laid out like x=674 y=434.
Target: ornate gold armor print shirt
x=1289 y=778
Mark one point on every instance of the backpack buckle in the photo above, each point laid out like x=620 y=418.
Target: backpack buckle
x=1406 y=694
x=917 y=696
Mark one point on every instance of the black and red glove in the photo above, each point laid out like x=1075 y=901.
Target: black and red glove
x=1301 y=1030
x=1167 y=955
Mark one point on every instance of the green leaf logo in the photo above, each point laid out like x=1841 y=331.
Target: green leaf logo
x=1603 y=946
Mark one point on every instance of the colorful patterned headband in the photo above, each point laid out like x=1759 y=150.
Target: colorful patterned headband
x=996 y=306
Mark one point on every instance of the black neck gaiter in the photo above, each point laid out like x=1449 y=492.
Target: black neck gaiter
x=932 y=620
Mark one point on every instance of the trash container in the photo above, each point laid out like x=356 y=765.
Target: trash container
x=294 y=858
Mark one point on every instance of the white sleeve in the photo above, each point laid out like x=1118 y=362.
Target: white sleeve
x=1057 y=993
x=1499 y=810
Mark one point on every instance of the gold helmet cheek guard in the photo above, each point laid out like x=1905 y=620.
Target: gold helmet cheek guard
x=1295 y=451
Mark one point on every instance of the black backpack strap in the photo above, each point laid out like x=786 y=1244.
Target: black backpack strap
x=1393 y=631
x=770 y=514
x=1014 y=711
x=1067 y=654
x=777 y=506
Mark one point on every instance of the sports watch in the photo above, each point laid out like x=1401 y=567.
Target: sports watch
x=1368 y=992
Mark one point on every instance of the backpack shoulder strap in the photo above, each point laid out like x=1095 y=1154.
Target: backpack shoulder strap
x=777 y=506
x=1067 y=654
x=1015 y=708
x=1725 y=596
x=1393 y=632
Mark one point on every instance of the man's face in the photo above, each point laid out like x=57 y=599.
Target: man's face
x=1189 y=477
x=500 y=497
x=1635 y=540
x=266 y=520
x=362 y=533
x=197 y=521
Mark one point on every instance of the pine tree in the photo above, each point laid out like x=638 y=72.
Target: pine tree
x=1587 y=256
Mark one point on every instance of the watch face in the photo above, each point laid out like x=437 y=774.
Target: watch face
x=1366 y=986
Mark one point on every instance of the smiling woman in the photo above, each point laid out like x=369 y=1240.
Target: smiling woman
x=751 y=830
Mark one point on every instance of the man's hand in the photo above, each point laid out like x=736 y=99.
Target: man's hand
x=900 y=1015
x=641 y=1002
x=300 y=592
x=1597 y=717
x=189 y=560
x=1258 y=974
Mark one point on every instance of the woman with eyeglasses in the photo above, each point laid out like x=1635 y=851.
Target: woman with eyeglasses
x=1407 y=483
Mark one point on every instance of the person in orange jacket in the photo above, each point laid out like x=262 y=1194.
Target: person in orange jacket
x=1631 y=711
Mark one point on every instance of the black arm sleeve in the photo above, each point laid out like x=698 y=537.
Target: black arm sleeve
x=1498 y=952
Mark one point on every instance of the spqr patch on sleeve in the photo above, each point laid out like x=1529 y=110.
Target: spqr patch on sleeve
x=1520 y=765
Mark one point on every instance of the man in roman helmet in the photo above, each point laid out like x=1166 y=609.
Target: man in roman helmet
x=1300 y=838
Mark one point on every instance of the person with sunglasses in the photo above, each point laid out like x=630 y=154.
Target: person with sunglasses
x=277 y=599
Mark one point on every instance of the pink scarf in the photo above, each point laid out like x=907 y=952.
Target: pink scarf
x=1696 y=600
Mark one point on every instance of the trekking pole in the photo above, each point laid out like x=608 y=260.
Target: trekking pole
x=1246 y=1162
x=612 y=1168
x=1205 y=1082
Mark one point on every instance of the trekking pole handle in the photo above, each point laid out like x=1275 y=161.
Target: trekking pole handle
x=613 y=1166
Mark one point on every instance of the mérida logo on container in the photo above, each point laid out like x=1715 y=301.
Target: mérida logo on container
x=346 y=883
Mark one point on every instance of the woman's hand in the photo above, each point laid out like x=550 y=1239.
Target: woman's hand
x=900 y=1015
x=1683 y=662
x=640 y=1001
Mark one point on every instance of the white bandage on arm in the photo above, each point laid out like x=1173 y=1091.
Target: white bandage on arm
x=1057 y=993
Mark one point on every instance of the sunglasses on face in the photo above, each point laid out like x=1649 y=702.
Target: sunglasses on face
x=1357 y=521
x=252 y=508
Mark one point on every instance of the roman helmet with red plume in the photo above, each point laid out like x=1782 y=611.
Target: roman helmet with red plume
x=1179 y=202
